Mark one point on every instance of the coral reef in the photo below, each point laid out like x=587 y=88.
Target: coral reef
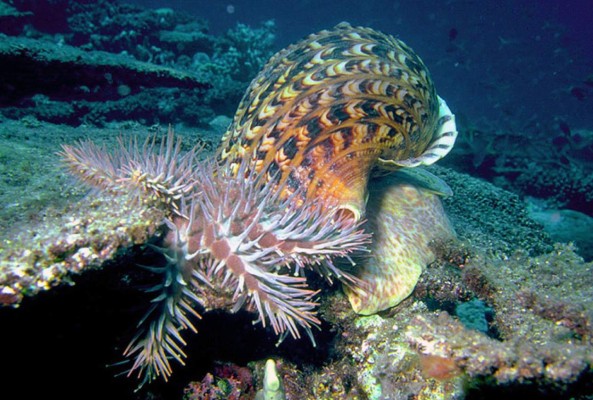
x=229 y=381
x=473 y=314
x=103 y=61
x=33 y=185
x=569 y=186
x=98 y=85
x=552 y=164
x=286 y=192
x=512 y=229
x=86 y=235
x=235 y=59
x=539 y=330
x=45 y=216
x=503 y=310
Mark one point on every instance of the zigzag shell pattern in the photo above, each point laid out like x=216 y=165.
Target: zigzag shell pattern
x=323 y=113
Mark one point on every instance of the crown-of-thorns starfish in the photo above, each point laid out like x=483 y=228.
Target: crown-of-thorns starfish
x=287 y=190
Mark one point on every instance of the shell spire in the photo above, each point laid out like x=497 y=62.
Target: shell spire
x=327 y=111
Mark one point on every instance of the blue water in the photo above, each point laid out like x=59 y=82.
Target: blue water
x=505 y=61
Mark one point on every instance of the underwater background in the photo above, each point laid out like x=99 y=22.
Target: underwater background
x=506 y=310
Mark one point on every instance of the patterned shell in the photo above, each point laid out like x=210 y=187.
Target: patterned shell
x=327 y=111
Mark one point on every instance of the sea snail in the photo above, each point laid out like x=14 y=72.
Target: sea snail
x=327 y=112
x=288 y=191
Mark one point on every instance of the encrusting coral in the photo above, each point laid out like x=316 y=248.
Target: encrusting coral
x=287 y=190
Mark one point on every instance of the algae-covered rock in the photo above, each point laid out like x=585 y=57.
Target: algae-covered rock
x=34 y=66
x=491 y=217
x=56 y=249
x=63 y=84
x=538 y=316
x=51 y=228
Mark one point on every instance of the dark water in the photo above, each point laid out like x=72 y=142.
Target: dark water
x=506 y=61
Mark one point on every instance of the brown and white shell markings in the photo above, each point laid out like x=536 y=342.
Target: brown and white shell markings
x=327 y=111
x=287 y=190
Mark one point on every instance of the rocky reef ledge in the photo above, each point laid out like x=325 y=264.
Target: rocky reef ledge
x=502 y=310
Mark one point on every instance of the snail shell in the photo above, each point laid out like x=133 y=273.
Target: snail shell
x=326 y=112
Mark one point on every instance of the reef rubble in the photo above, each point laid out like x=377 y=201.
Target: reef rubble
x=536 y=296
